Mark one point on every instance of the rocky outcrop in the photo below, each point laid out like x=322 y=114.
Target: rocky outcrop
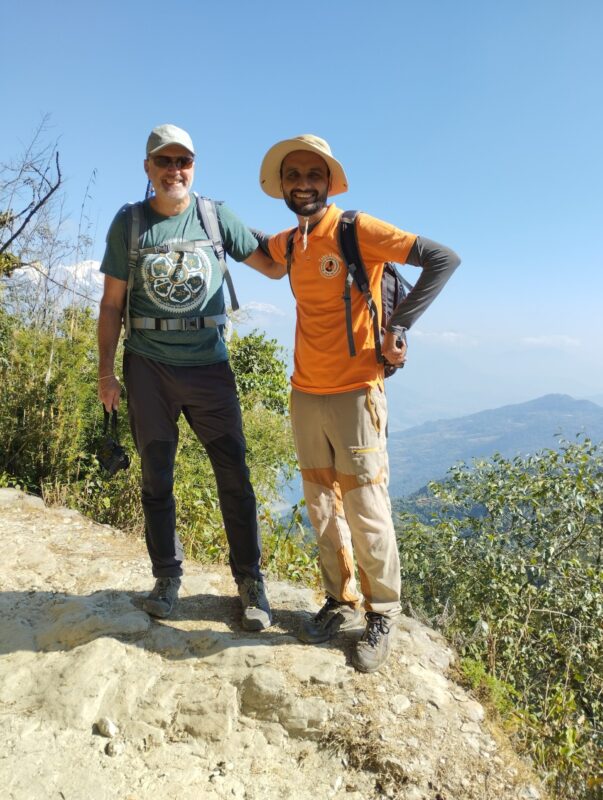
x=98 y=701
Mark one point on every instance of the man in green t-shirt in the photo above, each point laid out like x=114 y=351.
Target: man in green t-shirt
x=176 y=361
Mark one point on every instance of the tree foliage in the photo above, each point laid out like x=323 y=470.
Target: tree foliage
x=51 y=419
x=253 y=360
x=512 y=569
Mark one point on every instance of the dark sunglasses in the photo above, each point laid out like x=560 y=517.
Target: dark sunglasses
x=180 y=162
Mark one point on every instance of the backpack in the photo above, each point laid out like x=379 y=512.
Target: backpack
x=208 y=217
x=394 y=287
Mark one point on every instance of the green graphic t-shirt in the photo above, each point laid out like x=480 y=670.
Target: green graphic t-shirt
x=175 y=284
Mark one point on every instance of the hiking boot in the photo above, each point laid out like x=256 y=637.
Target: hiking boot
x=256 y=608
x=374 y=645
x=160 y=602
x=332 y=618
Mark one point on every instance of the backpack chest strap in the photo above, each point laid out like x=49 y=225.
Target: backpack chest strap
x=177 y=247
x=179 y=324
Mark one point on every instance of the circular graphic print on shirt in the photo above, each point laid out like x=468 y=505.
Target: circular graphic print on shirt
x=176 y=281
x=330 y=266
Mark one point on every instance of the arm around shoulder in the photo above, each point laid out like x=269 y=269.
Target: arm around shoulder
x=259 y=261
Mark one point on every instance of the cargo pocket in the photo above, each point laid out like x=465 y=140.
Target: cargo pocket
x=363 y=461
x=377 y=408
x=368 y=467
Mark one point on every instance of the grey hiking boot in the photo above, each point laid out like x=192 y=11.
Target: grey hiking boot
x=374 y=645
x=256 y=609
x=332 y=618
x=160 y=602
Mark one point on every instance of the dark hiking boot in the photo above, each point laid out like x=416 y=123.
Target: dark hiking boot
x=374 y=645
x=332 y=618
x=256 y=609
x=160 y=602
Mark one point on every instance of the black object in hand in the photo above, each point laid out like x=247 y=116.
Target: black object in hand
x=111 y=455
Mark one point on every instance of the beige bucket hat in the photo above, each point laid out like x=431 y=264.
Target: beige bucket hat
x=270 y=171
x=164 y=135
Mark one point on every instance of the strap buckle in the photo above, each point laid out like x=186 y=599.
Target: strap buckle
x=192 y=323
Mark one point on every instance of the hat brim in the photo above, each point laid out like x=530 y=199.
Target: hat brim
x=270 y=171
x=169 y=144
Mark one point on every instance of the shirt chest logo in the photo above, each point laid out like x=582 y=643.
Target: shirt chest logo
x=176 y=282
x=330 y=265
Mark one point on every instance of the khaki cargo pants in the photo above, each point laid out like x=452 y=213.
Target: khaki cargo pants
x=341 y=448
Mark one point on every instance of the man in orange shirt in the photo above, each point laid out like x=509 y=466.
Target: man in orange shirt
x=338 y=405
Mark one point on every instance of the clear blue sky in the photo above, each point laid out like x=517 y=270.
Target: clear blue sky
x=478 y=124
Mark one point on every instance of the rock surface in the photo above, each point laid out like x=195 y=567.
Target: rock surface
x=197 y=708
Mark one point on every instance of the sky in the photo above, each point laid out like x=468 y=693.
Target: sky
x=476 y=123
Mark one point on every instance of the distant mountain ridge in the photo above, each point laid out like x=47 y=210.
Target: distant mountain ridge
x=426 y=452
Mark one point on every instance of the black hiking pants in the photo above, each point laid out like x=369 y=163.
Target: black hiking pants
x=157 y=394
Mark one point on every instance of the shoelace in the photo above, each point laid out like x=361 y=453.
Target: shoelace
x=327 y=608
x=164 y=585
x=253 y=592
x=375 y=629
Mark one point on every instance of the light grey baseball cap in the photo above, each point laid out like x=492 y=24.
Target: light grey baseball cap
x=164 y=135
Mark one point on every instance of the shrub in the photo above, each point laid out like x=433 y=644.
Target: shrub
x=50 y=420
x=512 y=569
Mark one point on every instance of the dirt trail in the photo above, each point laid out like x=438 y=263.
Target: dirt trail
x=194 y=707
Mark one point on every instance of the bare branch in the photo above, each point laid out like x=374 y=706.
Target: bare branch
x=37 y=206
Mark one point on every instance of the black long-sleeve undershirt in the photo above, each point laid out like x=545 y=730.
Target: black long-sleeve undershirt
x=438 y=263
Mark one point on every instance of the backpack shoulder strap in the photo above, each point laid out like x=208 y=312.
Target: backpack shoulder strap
x=289 y=256
x=206 y=210
x=348 y=242
x=135 y=225
x=356 y=273
x=207 y=213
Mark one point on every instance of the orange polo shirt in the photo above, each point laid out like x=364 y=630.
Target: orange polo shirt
x=322 y=362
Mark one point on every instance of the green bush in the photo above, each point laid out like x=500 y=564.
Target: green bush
x=511 y=569
x=286 y=549
x=50 y=421
x=48 y=406
x=261 y=375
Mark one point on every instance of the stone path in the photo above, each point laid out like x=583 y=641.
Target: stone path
x=98 y=701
